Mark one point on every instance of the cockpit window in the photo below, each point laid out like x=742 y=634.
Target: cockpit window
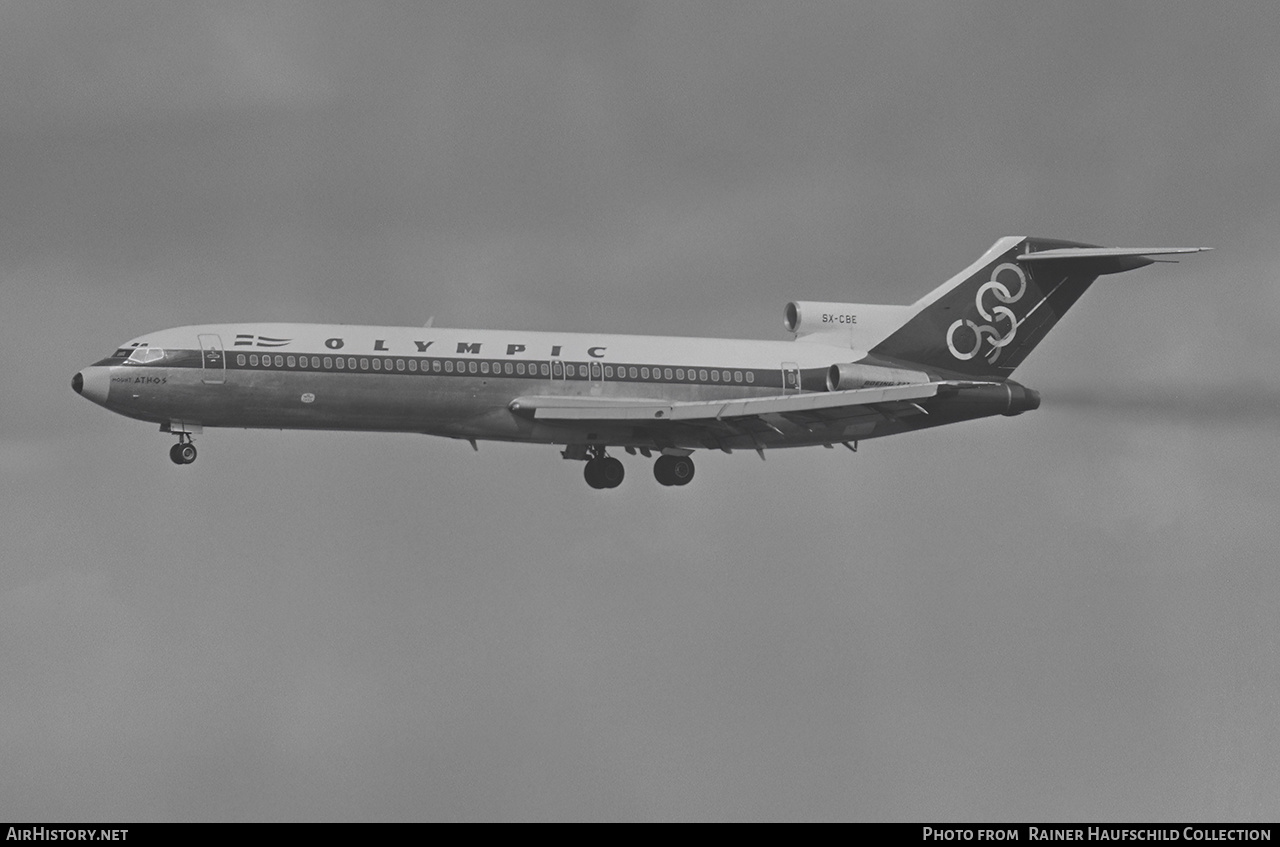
x=143 y=355
x=122 y=353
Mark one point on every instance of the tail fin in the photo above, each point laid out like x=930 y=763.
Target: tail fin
x=985 y=320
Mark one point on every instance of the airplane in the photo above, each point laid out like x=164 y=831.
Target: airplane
x=852 y=372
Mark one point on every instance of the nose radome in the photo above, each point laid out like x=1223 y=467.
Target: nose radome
x=92 y=384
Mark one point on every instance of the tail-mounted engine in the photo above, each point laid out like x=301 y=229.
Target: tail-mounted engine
x=850 y=376
x=853 y=324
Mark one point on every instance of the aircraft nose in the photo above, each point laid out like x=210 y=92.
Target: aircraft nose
x=92 y=384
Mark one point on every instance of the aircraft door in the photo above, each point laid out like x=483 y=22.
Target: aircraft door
x=213 y=362
x=790 y=378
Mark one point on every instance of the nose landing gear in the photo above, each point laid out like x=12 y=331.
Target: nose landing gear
x=184 y=452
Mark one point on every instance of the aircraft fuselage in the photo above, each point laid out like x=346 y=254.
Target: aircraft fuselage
x=448 y=382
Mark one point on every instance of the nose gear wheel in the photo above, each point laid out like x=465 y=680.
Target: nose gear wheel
x=184 y=452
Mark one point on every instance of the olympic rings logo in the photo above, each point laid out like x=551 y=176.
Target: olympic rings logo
x=994 y=317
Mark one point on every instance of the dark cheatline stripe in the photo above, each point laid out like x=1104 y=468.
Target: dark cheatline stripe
x=812 y=379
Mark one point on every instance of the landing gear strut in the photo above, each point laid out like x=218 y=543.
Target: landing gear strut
x=673 y=470
x=603 y=471
x=184 y=452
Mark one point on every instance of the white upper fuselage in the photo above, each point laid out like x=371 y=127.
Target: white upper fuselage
x=355 y=340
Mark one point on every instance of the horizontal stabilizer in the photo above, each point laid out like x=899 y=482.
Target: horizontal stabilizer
x=1108 y=260
x=1105 y=252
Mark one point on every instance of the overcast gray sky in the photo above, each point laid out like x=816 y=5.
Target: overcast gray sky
x=1066 y=615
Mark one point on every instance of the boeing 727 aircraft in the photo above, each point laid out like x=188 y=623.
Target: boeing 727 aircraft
x=852 y=372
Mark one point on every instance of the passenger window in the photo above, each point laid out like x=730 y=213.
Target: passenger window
x=435 y=366
x=702 y=375
x=666 y=374
x=751 y=376
x=377 y=365
x=364 y=364
x=471 y=366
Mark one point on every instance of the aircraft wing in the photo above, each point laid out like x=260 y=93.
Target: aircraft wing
x=626 y=409
x=754 y=422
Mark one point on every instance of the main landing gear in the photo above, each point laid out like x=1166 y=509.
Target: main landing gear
x=184 y=452
x=603 y=471
x=673 y=470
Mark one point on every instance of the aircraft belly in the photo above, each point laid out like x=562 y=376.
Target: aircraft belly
x=274 y=400
x=470 y=408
